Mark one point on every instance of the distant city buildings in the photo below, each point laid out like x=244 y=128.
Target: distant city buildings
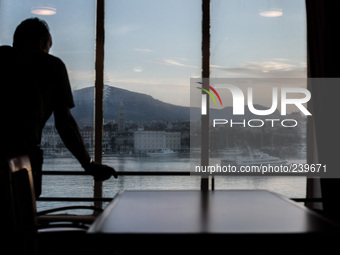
x=133 y=141
x=121 y=119
x=153 y=141
x=129 y=137
x=121 y=137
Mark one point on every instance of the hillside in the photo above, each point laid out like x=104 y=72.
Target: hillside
x=144 y=108
x=137 y=106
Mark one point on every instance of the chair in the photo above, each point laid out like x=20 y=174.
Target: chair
x=23 y=233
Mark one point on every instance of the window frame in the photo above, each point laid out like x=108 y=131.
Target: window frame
x=206 y=183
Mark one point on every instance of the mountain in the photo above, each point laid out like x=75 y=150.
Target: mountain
x=137 y=106
x=144 y=108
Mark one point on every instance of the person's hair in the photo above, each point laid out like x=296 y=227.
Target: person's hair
x=30 y=33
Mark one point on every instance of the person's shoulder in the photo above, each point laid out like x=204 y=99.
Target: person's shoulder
x=9 y=55
x=5 y=51
x=51 y=61
x=51 y=58
x=5 y=48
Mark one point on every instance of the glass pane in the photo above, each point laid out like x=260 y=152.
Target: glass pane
x=72 y=26
x=263 y=41
x=152 y=48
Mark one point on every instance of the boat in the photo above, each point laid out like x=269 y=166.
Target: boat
x=162 y=153
x=254 y=158
x=230 y=153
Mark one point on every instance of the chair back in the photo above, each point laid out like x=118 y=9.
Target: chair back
x=20 y=215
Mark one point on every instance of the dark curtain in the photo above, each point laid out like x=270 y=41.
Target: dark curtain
x=323 y=43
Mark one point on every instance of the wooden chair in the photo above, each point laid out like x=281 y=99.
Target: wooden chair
x=22 y=231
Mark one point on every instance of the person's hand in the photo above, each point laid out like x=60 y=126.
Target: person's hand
x=100 y=172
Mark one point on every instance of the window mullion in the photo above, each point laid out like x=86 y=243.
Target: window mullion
x=99 y=87
x=205 y=75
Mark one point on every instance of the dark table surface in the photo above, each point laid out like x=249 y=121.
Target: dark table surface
x=212 y=212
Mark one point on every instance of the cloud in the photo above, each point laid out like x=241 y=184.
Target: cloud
x=174 y=63
x=122 y=29
x=143 y=50
x=137 y=69
x=277 y=68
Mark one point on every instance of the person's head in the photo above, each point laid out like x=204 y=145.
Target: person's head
x=32 y=34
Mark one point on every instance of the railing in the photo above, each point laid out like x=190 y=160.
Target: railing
x=102 y=199
x=131 y=173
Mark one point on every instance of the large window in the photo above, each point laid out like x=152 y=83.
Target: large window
x=72 y=26
x=261 y=44
x=152 y=49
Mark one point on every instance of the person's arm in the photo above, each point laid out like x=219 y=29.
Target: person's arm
x=69 y=132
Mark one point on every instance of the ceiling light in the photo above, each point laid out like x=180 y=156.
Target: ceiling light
x=43 y=10
x=271 y=12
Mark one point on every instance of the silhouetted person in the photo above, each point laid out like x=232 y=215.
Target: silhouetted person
x=35 y=84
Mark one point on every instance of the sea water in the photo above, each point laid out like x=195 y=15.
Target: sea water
x=82 y=186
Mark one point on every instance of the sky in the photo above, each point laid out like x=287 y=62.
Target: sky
x=154 y=46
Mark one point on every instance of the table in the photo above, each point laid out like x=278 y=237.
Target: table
x=212 y=216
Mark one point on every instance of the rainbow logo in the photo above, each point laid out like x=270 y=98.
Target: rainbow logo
x=209 y=93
